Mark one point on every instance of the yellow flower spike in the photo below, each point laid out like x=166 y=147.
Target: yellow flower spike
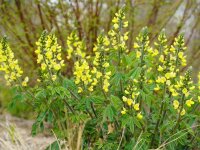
x=49 y=55
x=8 y=64
x=75 y=47
x=140 y=116
x=136 y=106
x=129 y=102
x=123 y=112
x=189 y=102
x=176 y=104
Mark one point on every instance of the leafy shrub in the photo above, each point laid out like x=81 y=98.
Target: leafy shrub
x=117 y=98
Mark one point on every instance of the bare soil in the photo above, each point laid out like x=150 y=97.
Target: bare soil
x=15 y=134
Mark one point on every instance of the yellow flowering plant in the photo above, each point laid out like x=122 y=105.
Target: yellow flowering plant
x=116 y=98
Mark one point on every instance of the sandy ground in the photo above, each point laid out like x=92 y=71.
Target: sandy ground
x=15 y=134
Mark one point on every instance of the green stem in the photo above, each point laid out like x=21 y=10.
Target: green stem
x=179 y=115
x=160 y=117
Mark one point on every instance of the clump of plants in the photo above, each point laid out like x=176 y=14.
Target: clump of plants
x=117 y=98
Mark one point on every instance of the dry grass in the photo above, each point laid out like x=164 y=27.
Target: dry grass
x=15 y=135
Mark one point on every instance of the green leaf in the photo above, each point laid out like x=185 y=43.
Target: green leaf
x=109 y=113
x=18 y=97
x=38 y=124
x=116 y=102
x=41 y=94
x=53 y=146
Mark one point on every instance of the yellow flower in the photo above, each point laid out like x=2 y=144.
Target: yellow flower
x=124 y=99
x=54 y=77
x=161 y=80
x=125 y=24
x=106 y=65
x=139 y=116
x=24 y=83
x=136 y=46
x=176 y=104
x=126 y=92
x=192 y=87
x=57 y=67
x=157 y=88
x=129 y=102
x=184 y=91
x=161 y=59
x=115 y=20
x=123 y=112
x=160 y=68
x=80 y=90
x=174 y=93
x=136 y=106
x=170 y=75
x=183 y=112
x=180 y=55
x=90 y=88
x=189 y=102
x=116 y=26
x=138 y=54
x=98 y=75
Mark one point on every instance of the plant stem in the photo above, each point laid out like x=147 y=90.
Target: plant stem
x=160 y=117
x=123 y=131
x=93 y=110
x=179 y=115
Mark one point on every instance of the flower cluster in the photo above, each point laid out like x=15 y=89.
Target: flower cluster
x=184 y=88
x=131 y=98
x=8 y=64
x=83 y=76
x=117 y=38
x=75 y=47
x=49 y=55
x=142 y=47
x=166 y=68
x=178 y=48
x=100 y=62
